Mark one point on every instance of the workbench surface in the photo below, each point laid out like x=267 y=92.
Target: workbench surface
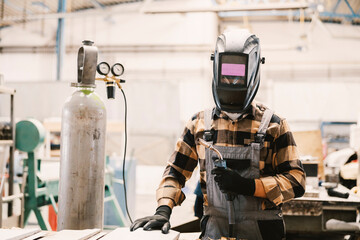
x=92 y=234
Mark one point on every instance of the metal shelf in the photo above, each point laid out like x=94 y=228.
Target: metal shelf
x=12 y=220
x=6 y=142
x=4 y=89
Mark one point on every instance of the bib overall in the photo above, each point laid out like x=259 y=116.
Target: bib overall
x=248 y=210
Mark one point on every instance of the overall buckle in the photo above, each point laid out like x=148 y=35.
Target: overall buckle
x=208 y=136
x=260 y=138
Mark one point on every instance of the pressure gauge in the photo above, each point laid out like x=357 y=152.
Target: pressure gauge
x=117 y=69
x=103 y=68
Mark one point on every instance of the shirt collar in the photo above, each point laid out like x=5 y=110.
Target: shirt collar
x=249 y=112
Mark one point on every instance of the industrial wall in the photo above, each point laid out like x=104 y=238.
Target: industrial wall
x=309 y=71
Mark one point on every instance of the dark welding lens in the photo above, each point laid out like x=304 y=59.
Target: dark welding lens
x=233 y=69
x=110 y=90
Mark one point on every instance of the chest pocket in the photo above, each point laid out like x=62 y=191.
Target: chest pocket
x=238 y=165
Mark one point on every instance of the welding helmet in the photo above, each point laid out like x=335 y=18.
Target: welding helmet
x=236 y=64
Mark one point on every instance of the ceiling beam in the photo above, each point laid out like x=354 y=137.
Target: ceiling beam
x=14 y=5
x=162 y=8
x=75 y=14
x=97 y=4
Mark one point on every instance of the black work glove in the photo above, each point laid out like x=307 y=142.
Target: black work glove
x=229 y=181
x=160 y=220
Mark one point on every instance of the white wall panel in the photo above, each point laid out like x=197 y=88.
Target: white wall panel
x=317 y=100
x=28 y=67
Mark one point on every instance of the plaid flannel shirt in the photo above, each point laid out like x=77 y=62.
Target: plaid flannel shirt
x=281 y=171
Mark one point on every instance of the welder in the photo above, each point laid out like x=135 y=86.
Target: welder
x=262 y=170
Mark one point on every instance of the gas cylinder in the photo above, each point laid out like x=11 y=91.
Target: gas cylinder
x=82 y=154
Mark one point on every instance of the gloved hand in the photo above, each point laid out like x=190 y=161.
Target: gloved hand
x=229 y=181
x=160 y=220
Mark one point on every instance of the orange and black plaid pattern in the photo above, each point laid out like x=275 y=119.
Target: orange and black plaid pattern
x=281 y=171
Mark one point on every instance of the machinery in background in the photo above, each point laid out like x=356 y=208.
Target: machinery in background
x=38 y=193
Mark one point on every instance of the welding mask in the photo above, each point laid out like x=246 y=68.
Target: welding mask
x=236 y=64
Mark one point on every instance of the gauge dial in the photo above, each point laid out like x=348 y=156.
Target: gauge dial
x=103 y=68
x=117 y=69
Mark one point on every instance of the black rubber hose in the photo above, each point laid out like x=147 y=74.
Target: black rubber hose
x=124 y=160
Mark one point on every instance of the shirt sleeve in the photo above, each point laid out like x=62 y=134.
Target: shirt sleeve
x=289 y=180
x=179 y=169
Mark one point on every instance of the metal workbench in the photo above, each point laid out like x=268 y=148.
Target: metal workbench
x=307 y=216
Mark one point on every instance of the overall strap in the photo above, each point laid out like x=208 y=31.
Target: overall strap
x=264 y=124
x=207 y=125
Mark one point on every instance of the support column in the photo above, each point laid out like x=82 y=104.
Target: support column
x=60 y=40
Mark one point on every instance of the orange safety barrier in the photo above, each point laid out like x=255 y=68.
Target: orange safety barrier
x=52 y=218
